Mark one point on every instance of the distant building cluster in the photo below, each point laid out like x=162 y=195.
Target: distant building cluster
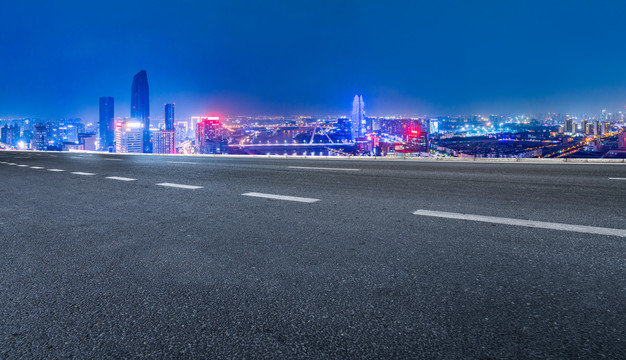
x=541 y=135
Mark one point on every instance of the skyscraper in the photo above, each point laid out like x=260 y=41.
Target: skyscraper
x=106 y=124
x=169 y=116
x=140 y=106
x=358 y=117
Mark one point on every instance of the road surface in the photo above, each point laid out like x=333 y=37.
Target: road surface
x=109 y=256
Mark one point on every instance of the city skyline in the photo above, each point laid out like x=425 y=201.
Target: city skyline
x=413 y=58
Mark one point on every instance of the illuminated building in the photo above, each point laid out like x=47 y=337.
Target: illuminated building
x=10 y=134
x=88 y=141
x=211 y=136
x=181 y=131
x=344 y=128
x=169 y=116
x=129 y=137
x=417 y=138
x=434 y=126
x=358 y=117
x=568 y=128
x=140 y=106
x=194 y=125
x=164 y=142
x=106 y=125
x=597 y=128
x=583 y=126
x=40 y=137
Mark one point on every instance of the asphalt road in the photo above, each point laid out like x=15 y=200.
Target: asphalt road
x=100 y=267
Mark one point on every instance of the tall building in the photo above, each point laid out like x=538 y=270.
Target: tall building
x=106 y=124
x=169 y=116
x=164 y=142
x=193 y=129
x=358 y=117
x=181 y=131
x=211 y=136
x=583 y=126
x=597 y=128
x=10 y=135
x=129 y=137
x=140 y=106
x=40 y=137
x=569 y=126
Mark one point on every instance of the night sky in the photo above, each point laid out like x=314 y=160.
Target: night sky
x=310 y=57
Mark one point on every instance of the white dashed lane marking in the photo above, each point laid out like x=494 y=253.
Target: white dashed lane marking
x=82 y=173
x=22 y=166
x=55 y=170
x=111 y=159
x=617 y=178
x=526 y=223
x=321 y=168
x=36 y=167
x=180 y=186
x=120 y=178
x=281 y=197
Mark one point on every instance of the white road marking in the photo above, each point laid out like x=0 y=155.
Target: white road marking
x=182 y=162
x=83 y=173
x=55 y=170
x=11 y=164
x=36 y=167
x=617 y=178
x=321 y=168
x=22 y=166
x=526 y=223
x=110 y=159
x=281 y=197
x=181 y=186
x=120 y=178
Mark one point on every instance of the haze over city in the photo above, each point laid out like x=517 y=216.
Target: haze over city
x=309 y=57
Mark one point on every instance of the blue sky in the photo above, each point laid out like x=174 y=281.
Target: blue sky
x=299 y=57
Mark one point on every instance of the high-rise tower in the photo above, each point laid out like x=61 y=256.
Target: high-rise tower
x=140 y=106
x=106 y=124
x=169 y=116
x=358 y=117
